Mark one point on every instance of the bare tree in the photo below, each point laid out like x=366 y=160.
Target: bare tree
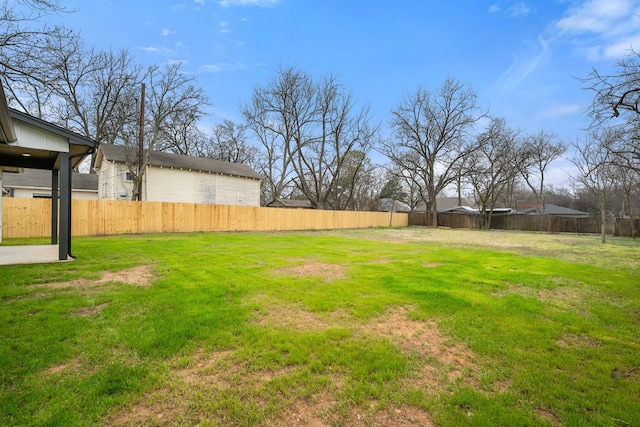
x=91 y=87
x=432 y=136
x=307 y=131
x=542 y=149
x=616 y=102
x=229 y=142
x=406 y=168
x=170 y=97
x=628 y=183
x=25 y=59
x=596 y=170
x=335 y=158
x=354 y=186
x=280 y=114
x=493 y=166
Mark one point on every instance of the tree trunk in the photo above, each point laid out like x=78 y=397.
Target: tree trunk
x=434 y=208
x=603 y=226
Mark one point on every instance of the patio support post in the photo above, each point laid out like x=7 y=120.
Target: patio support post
x=54 y=207
x=65 y=207
x=0 y=205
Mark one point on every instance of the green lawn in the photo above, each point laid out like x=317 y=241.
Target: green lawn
x=412 y=326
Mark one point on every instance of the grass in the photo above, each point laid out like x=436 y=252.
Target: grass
x=357 y=327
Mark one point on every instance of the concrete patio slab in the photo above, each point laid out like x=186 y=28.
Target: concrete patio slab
x=31 y=254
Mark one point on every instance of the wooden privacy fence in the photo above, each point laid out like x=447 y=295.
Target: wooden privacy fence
x=551 y=223
x=32 y=218
x=625 y=227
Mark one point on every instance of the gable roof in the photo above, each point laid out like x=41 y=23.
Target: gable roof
x=118 y=153
x=551 y=209
x=386 y=204
x=15 y=155
x=445 y=204
x=460 y=209
x=290 y=203
x=39 y=178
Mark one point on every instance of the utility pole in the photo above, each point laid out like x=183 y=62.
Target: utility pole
x=141 y=144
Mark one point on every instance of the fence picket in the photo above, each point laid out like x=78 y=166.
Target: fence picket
x=32 y=218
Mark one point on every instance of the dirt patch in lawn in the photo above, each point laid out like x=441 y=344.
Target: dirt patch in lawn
x=321 y=411
x=141 y=275
x=216 y=374
x=446 y=361
x=569 y=297
x=205 y=368
x=571 y=341
x=203 y=375
x=433 y=265
x=391 y=416
x=548 y=415
x=91 y=310
x=276 y=313
x=70 y=365
x=312 y=268
x=312 y=412
x=292 y=316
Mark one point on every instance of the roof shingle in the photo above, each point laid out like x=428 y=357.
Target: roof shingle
x=117 y=153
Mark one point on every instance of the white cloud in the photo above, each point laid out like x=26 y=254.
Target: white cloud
x=518 y=9
x=602 y=29
x=166 y=32
x=150 y=49
x=622 y=47
x=561 y=110
x=221 y=66
x=260 y=3
x=595 y=16
x=224 y=27
x=523 y=66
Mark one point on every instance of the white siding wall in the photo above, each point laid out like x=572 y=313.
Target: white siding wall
x=75 y=194
x=34 y=137
x=112 y=183
x=185 y=186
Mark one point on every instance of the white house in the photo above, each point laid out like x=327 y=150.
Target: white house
x=36 y=183
x=176 y=178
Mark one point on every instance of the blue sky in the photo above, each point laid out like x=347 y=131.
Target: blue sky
x=521 y=57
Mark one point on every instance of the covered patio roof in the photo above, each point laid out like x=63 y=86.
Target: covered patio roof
x=17 y=154
x=29 y=142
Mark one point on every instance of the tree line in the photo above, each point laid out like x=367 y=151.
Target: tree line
x=309 y=137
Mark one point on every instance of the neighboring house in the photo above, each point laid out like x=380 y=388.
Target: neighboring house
x=387 y=204
x=444 y=204
x=550 y=209
x=290 y=203
x=36 y=183
x=470 y=210
x=459 y=209
x=176 y=178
